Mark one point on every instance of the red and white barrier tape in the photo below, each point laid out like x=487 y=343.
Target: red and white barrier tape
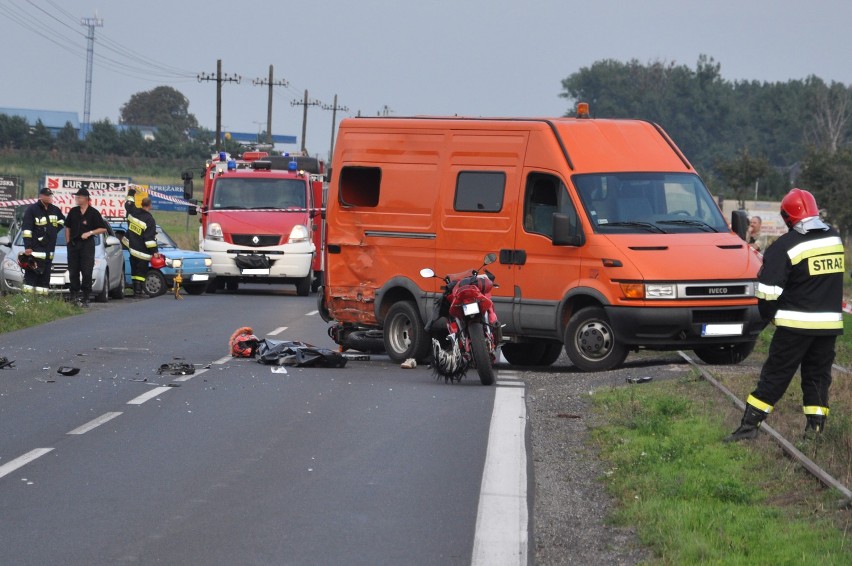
x=93 y=193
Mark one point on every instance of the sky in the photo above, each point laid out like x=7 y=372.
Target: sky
x=424 y=57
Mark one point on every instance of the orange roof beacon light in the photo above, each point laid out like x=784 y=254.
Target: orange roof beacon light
x=583 y=110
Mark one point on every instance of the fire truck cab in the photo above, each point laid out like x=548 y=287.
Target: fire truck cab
x=261 y=219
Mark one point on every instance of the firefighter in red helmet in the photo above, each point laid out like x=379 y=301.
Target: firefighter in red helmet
x=800 y=290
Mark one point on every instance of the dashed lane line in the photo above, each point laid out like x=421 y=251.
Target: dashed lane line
x=312 y=313
x=20 y=461
x=222 y=360
x=94 y=423
x=148 y=395
x=277 y=331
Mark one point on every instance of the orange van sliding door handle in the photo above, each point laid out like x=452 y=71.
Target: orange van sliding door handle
x=513 y=257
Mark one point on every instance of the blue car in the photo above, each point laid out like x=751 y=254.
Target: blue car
x=194 y=266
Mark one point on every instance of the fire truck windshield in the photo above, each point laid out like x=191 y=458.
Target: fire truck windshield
x=251 y=194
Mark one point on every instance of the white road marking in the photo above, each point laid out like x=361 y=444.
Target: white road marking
x=312 y=313
x=277 y=331
x=106 y=417
x=148 y=395
x=502 y=517
x=190 y=376
x=223 y=360
x=505 y=383
x=13 y=465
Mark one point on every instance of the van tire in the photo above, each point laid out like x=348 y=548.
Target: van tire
x=725 y=354
x=541 y=353
x=404 y=335
x=590 y=341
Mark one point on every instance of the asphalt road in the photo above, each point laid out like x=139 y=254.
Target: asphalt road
x=368 y=464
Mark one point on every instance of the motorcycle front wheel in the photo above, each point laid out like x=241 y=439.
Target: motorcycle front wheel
x=481 y=352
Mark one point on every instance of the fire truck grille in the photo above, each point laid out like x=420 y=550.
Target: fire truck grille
x=255 y=240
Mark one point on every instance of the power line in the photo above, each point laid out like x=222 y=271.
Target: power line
x=270 y=83
x=305 y=104
x=219 y=78
x=334 y=108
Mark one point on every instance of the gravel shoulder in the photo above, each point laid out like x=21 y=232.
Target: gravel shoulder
x=571 y=509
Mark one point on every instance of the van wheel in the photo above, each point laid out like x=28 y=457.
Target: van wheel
x=541 y=353
x=590 y=342
x=725 y=354
x=404 y=335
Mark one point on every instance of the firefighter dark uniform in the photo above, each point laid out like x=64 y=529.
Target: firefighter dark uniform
x=42 y=221
x=141 y=239
x=800 y=289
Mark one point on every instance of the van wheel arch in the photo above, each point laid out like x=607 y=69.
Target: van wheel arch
x=576 y=299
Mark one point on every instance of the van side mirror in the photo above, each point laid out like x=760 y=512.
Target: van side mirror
x=739 y=223
x=187 y=184
x=567 y=231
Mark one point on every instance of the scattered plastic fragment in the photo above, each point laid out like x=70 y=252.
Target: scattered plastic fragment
x=279 y=369
x=67 y=370
x=357 y=357
x=176 y=368
x=410 y=363
x=6 y=363
x=645 y=379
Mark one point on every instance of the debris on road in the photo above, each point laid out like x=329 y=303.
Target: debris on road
x=645 y=379
x=279 y=369
x=176 y=368
x=67 y=370
x=410 y=363
x=243 y=343
x=299 y=354
x=568 y=416
x=6 y=363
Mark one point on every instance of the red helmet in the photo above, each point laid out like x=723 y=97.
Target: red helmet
x=797 y=205
x=158 y=261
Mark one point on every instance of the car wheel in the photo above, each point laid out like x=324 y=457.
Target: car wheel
x=195 y=289
x=155 y=283
x=103 y=296
x=118 y=292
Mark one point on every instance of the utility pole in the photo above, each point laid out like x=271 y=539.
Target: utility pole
x=90 y=23
x=334 y=108
x=306 y=103
x=270 y=83
x=219 y=78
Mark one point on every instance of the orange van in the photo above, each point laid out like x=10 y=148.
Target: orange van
x=607 y=239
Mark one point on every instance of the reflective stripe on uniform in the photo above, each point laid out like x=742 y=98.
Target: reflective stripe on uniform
x=27 y=288
x=41 y=290
x=56 y=221
x=28 y=233
x=40 y=255
x=140 y=255
x=40 y=221
x=831 y=244
x=768 y=292
x=815 y=410
x=151 y=244
x=133 y=221
x=759 y=405
x=809 y=320
x=138 y=278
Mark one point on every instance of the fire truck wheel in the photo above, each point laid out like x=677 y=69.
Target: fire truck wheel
x=404 y=334
x=303 y=286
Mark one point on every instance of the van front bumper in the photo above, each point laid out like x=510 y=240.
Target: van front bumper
x=672 y=328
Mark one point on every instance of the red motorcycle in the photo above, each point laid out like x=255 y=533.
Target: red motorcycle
x=473 y=332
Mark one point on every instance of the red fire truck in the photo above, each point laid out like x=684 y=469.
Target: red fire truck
x=261 y=219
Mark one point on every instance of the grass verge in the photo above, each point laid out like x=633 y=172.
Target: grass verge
x=22 y=311
x=694 y=499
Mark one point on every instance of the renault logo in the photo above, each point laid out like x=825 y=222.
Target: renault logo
x=255 y=240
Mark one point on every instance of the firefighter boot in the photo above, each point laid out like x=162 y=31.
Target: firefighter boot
x=137 y=290
x=814 y=427
x=748 y=426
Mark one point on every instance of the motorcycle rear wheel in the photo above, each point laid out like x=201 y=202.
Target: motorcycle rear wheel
x=481 y=354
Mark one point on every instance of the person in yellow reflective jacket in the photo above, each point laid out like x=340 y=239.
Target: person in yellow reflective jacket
x=141 y=239
x=42 y=222
x=800 y=290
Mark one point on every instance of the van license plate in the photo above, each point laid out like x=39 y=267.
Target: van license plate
x=200 y=277
x=255 y=272
x=722 y=329
x=471 y=308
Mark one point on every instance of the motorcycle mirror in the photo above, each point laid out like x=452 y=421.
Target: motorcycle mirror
x=427 y=273
x=490 y=258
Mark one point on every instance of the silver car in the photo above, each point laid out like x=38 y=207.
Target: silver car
x=107 y=276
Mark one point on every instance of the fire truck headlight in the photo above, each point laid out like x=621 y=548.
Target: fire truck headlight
x=214 y=232
x=299 y=234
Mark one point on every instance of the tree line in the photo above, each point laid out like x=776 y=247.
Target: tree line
x=736 y=133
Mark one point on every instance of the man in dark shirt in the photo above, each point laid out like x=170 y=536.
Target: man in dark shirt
x=82 y=224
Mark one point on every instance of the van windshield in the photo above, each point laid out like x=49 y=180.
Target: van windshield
x=637 y=203
x=252 y=194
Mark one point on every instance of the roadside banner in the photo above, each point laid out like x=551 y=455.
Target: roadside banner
x=107 y=193
x=174 y=204
x=10 y=189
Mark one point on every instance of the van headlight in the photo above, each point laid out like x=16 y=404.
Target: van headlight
x=299 y=234
x=214 y=232
x=660 y=291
